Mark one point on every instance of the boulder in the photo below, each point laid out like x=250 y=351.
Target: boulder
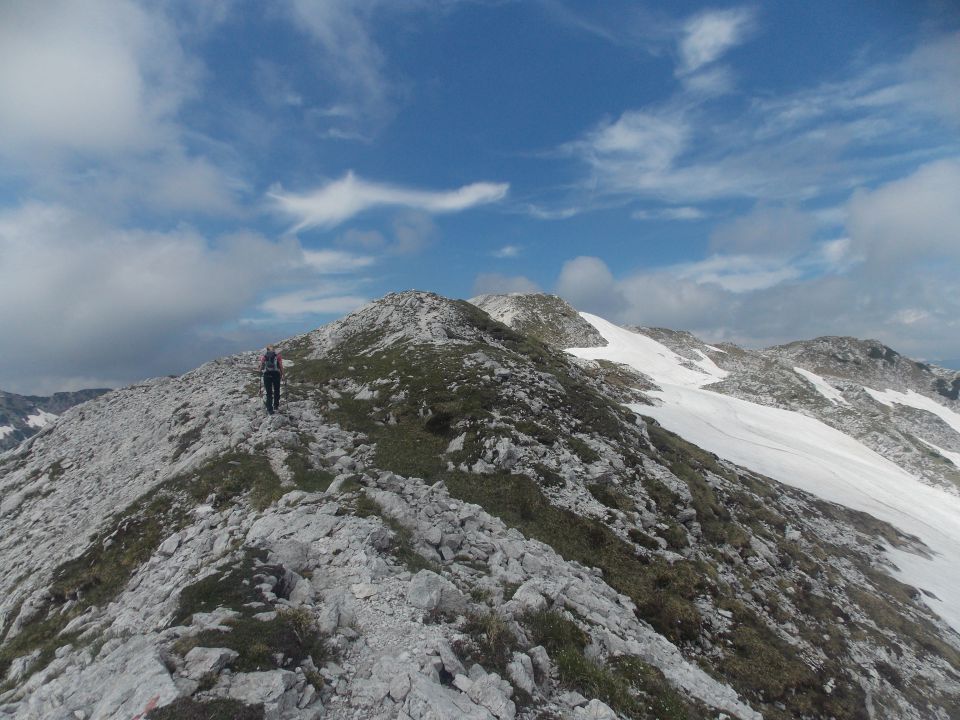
x=274 y=688
x=429 y=591
x=200 y=661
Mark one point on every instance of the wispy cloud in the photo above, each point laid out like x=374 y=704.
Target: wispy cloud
x=310 y=302
x=340 y=200
x=507 y=251
x=792 y=148
x=683 y=212
x=737 y=273
x=335 y=262
x=709 y=35
x=352 y=59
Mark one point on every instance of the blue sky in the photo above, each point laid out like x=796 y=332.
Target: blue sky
x=179 y=180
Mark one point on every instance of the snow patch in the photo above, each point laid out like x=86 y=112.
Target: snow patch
x=40 y=419
x=648 y=356
x=6 y=430
x=822 y=386
x=953 y=457
x=918 y=401
x=715 y=349
x=805 y=453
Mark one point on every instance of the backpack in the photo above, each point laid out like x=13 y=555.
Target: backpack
x=271 y=362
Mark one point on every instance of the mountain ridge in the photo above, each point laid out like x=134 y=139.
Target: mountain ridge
x=23 y=415
x=462 y=519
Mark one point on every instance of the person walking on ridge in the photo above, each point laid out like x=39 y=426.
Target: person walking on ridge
x=271 y=367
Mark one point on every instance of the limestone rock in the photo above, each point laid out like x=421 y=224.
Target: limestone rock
x=429 y=591
x=200 y=661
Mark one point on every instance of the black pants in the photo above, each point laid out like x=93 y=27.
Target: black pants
x=271 y=381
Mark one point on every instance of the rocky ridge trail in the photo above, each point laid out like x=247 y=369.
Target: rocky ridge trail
x=450 y=519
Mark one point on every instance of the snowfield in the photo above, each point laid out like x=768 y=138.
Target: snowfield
x=6 y=430
x=805 y=453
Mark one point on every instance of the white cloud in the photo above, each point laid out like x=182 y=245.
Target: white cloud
x=737 y=273
x=684 y=212
x=111 y=304
x=97 y=78
x=311 y=302
x=497 y=284
x=92 y=95
x=645 y=140
x=814 y=143
x=352 y=60
x=340 y=200
x=588 y=283
x=335 y=262
x=929 y=76
x=710 y=82
x=896 y=277
x=507 y=251
x=917 y=217
x=779 y=231
x=542 y=213
x=709 y=35
x=92 y=299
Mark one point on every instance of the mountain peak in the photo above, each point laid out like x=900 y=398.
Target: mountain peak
x=411 y=317
x=869 y=362
x=548 y=318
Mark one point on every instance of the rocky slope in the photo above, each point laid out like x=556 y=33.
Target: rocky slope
x=450 y=518
x=23 y=415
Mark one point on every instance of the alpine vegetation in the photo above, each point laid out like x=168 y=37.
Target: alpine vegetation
x=499 y=509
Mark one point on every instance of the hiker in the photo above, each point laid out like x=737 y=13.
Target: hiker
x=271 y=366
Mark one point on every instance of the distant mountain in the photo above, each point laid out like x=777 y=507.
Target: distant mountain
x=24 y=415
x=455 y=518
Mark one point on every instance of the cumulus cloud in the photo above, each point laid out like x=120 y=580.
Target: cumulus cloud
x=93 y=94
x=913 y=218
x=588 y=283
x=895 y=277
x=340 y=200
x=507 y=251
x=94 y=301
x=98 y=78
x=497 y=284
